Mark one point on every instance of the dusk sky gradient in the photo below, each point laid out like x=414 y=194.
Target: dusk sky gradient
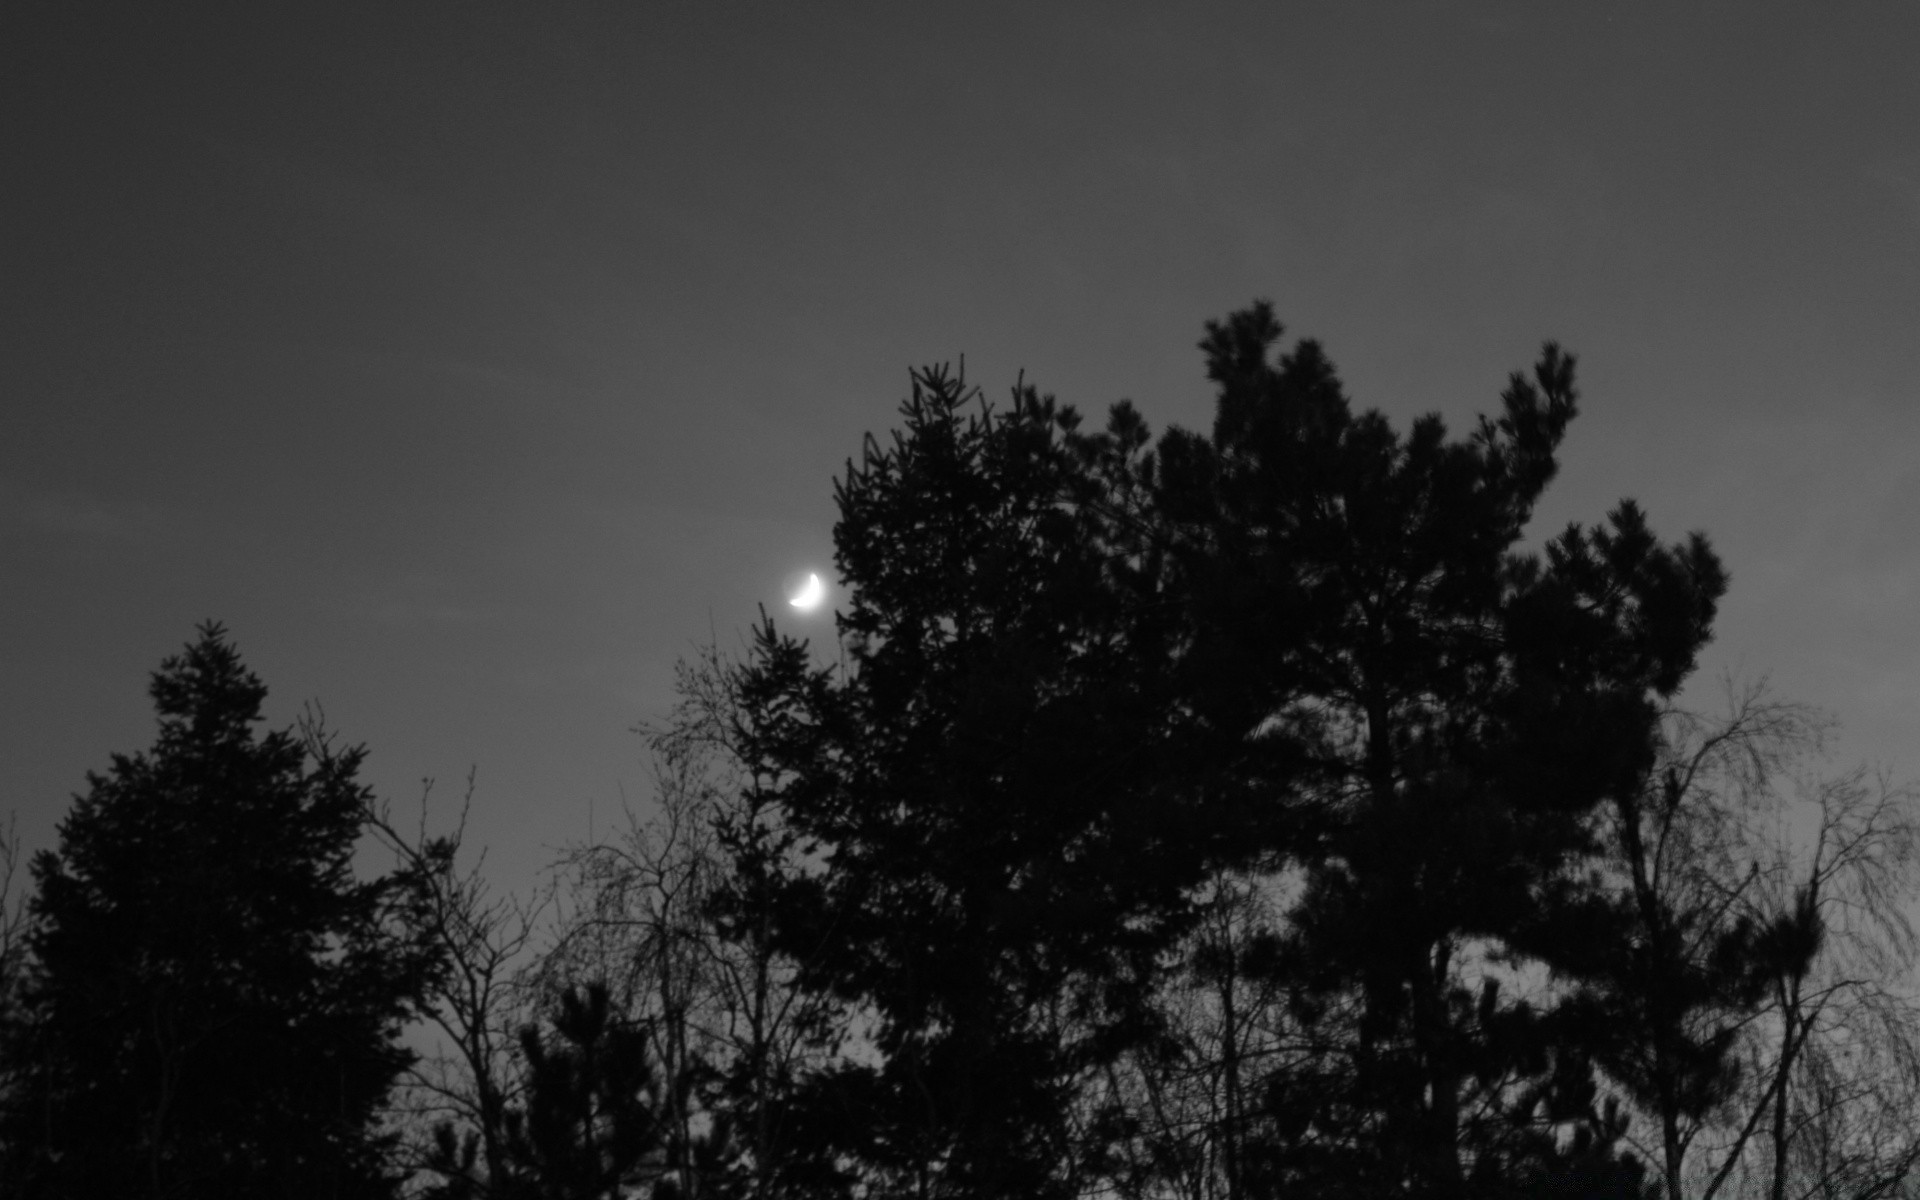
x=474 y=362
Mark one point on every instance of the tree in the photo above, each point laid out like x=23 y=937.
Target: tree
x=594 y=1109
x=1186 y=1114
x=13 y=976
x=461 y=1096
x=216 y=1000
x=1761 y=1010
x=1839 y=1053
x=1448 y=717
x=1676 y=994
x=13 y=921
x=655 y=919
x=1082 y=678
x=672 y=914
x=985 y=792
x=775 y=1036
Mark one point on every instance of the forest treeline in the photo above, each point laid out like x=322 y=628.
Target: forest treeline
x=1208 y=817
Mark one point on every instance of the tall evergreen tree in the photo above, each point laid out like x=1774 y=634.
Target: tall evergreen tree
x=216 y=998
x=985 y=785
x=1458 y=713
x=1079 y=675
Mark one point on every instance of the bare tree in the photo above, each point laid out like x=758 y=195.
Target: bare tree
x=633 y=917
x=462 y=1094
x=1839 y=1048
x=661 y=913
x=13 y=911
x=14 y=916
x=1775 y=1022
x=13 y=936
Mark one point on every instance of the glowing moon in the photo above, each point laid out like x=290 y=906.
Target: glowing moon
x=809 y=596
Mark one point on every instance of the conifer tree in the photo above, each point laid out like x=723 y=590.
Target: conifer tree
x=1079 y=675
x=1457 y=713
x=216 y=999
x=987 y=784
x=593 y=1112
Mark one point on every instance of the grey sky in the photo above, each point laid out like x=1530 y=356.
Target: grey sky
x=473 y=362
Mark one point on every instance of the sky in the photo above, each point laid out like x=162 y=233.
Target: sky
x=474 y=363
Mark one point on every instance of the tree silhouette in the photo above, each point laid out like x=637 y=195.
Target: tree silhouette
x=1758 y=964
x=596 y=1118
x=1080 y=676
x=988 y=780
x=672 y=913
x=216 y=1000
x=1218 y=818
x=592 y=1110
x=1457 y=714
x=461 y=1097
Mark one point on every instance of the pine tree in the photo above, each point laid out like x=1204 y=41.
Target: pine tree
x=1080 y=676
x=1457 y=714
x=593 y=1108
x=216 y=998
x=987 y=784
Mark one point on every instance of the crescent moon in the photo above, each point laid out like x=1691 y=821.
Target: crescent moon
x=810 y=596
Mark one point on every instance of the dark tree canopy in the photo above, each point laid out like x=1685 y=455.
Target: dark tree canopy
x=1221 y=816
x=217 y=999
x=988 y=781
x=592 y=1114
x=1458 y=714
x=1080 y=673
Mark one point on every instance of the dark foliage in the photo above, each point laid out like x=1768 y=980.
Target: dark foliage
x=1080 y=674
x=1459 y=714
x=592 y=1123
x=216 y=1000
x=988 y=782
x=1231 y=816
